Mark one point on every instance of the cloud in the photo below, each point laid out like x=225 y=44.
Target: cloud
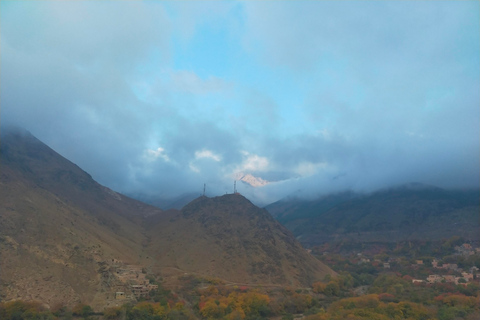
x=308 y=168
x=252 y=163
x=160 y=98
x=152 y=155
x=187 y=81
x=207 y=154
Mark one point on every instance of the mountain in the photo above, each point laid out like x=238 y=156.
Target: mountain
x=403 y=213
x=65 y=238
x=230 y=238
x=295 y=208
x=251 y=180
x=59 y=228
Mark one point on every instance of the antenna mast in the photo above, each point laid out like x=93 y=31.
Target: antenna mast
x=204 y=186
x=234 y=186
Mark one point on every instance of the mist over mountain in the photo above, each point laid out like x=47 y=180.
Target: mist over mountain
x=389 y=98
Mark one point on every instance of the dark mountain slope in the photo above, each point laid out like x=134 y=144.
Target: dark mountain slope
x=294 y=208
x=408 y=212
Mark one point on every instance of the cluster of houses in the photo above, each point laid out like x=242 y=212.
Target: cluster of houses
x=133 y=278
x=455 y=274
x=435 y=278
x=465 y=250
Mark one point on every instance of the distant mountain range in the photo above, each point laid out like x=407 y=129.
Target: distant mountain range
x=63 y=235
x=413 y=211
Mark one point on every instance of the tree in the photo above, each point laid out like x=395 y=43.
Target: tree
x=19 y=310
x=113 y=313
x=332 y=289
x=82 y=310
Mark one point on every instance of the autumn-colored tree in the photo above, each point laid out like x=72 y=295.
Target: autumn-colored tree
x=386 y=297
x=255 y=304
x=301 y=302
x=319 y=287
x=211 y=290
x=148 y=310
x=415 y=310
x=113 y=313
x=236 y=315
x=213 y=309
x=14 y=310
x=82 y=310
x=455 y=300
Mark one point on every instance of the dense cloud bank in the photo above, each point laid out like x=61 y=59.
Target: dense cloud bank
x=162 y=97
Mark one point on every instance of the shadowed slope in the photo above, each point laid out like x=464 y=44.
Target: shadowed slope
x=408 y=212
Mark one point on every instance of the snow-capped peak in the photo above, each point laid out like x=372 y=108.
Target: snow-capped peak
x=251 y=180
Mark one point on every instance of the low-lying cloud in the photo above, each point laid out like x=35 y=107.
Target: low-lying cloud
x=160 y=98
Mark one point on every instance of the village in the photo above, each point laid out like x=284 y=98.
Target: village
x=448 y=262
x=465 y=250
x=132 y=282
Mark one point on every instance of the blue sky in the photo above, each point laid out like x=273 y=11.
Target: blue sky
x=161 y=97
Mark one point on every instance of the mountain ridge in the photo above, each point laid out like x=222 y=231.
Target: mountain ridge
x=404 y=212
x=62 y=234
x=247 y=243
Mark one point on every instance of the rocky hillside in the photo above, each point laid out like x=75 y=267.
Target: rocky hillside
x=65 y=238
x=59 y=228
x=230 y=238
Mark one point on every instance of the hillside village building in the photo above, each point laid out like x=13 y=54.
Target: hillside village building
x=120 y=295
x=134 y=279
x=142 y=290
x=435 y=278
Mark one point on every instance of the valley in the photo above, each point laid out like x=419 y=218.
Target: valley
x=73 y=249
x=239 y=160
x=409 y=280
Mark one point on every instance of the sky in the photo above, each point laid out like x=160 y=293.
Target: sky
x=162 y=97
